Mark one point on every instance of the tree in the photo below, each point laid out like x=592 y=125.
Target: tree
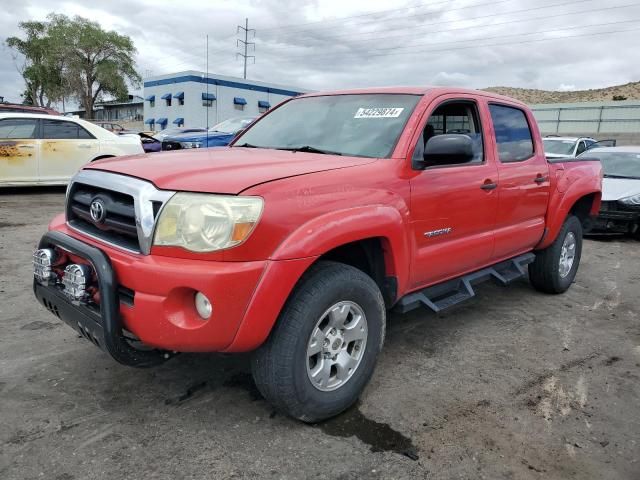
x=42 y=64
x=74 y=57
x=97 y=62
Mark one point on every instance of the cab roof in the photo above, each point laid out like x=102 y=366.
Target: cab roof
x=425 y=90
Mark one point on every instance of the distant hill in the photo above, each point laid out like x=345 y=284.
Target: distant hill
x=628 y=91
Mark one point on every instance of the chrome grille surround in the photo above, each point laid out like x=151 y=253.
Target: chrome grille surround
x=144 y=194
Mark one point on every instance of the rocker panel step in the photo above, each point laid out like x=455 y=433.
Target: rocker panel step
x=452 y=292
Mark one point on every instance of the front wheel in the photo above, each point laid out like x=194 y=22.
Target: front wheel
x=555 y=267
x=324 y=347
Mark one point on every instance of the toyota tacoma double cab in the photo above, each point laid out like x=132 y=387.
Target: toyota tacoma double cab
x=296 y=240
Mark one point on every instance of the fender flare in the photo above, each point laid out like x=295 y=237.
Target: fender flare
x=333 y=229
x=304 y=246
x=561 y=205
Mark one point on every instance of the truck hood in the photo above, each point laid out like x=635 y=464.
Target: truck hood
x=222 y=169
x=617 y=188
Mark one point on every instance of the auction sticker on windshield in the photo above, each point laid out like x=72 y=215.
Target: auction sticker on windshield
x=388 y=112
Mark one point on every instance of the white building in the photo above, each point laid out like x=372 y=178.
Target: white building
x=193 y=99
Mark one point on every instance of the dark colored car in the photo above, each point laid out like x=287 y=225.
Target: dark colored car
x=16 y=107
x=217 y=136
x=149 y=143
x=620 y=208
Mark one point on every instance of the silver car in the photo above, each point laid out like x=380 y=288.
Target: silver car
x=620 y=210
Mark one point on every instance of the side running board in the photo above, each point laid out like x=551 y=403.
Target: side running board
x=452 y=292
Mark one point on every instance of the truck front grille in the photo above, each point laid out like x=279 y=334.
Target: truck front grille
x=116 y=209
x=119 y=223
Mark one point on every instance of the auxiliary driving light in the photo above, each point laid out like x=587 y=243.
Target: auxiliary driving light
x=203 y=306
x=43 y=258
x=75 y=281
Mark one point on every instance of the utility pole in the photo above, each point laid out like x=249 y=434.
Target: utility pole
x=206 y=54
x=246 y=44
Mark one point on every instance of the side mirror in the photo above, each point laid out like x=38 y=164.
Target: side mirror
x=447 y=149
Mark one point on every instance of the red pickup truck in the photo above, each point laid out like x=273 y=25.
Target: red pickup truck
x=296 y=239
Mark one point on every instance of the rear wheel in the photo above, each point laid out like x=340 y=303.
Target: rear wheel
x=324 y=347
x=555 y=267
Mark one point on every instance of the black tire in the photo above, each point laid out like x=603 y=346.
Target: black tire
x=544 y=272
x=279 y=366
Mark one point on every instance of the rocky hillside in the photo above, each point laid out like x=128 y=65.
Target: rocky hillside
x=629 y=91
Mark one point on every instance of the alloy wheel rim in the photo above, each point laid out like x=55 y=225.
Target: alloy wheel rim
x=336 y=346
x=567 y=254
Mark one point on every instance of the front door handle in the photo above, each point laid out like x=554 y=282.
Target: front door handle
x=540 y=179
x=84 y=145
x=489 y=185
x=26 y=146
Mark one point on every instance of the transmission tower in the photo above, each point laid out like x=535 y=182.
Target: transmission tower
x=246 y=43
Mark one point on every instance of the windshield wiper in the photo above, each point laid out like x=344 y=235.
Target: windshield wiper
x=309 y=149
x=247 y=145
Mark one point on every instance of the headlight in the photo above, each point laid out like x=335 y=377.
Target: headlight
x=190 y=144
x=633 y=200
x=205 y=223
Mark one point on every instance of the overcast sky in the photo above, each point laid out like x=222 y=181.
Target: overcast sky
x=328 y=44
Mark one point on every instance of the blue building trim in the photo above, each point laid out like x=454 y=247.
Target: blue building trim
x=179 y=96
x=166 y=96
x=239 y=101
x=263 y=104
x=224 y=83
x=179 y=121
x=208 y=96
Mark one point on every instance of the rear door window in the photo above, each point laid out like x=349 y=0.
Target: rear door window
x=513 y=134
x=18 y=128
x=63 y=130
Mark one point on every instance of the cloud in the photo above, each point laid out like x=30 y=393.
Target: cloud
x=332 y=44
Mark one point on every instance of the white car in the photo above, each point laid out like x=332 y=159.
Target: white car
x=48 y=150
x=566 y=147
x=620 y=209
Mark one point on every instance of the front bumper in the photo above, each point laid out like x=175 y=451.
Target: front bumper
x=151 y=297
x=102 y=326
x=613 y=219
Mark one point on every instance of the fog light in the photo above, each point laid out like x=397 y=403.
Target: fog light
x=75 y=281
x=203 y=306
x=42 y=261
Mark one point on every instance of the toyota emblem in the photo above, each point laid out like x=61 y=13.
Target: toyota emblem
x=97 y=211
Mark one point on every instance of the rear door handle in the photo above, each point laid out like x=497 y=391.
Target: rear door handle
x=489 y=185
x=540 y=179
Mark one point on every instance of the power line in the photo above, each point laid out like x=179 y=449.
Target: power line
x=491 y=15
x=498 y=44
x=511 y=35
x=246 y=44
x=379 y=12
x=446 y=30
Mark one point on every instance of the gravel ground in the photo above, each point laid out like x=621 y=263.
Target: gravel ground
x=513 y=384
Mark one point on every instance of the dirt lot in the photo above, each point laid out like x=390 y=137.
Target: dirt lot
x=514 y=384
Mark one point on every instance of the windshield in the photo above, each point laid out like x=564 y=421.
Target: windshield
x=617 y=164
x=366 y=125
x=558 y=147
x=232 y=125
